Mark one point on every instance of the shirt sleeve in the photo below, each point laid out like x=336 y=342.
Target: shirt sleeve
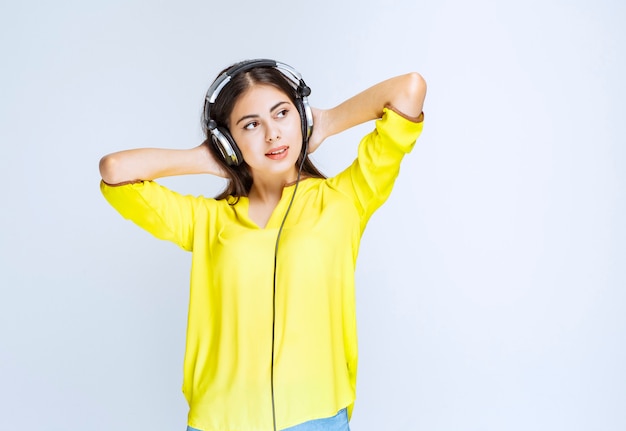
x=164 y=213
x=370 y=178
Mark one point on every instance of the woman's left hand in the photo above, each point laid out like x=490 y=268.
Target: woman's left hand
x=319 y=129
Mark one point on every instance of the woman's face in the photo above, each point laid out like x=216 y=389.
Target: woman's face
x=266 y=126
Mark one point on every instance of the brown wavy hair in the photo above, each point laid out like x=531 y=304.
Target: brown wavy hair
x=239 y=178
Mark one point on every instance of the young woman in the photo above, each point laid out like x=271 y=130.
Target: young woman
x=271 y=336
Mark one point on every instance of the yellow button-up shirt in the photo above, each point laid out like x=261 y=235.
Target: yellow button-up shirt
x=229 y=333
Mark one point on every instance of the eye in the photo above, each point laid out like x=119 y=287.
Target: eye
x=282 y=113
x=251 y=125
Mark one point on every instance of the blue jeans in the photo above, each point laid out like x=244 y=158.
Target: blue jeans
x=339 y=422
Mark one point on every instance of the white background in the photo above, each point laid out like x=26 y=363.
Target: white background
x=491 y=286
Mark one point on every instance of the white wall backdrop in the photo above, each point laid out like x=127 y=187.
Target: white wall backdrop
x=491 y=286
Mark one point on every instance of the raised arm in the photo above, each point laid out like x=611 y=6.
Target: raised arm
x=151 y=163
x=405 y=94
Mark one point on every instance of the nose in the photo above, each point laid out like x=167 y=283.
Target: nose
x=272 y=134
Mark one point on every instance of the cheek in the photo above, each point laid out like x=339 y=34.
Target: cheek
x=245 y=147
x=243 y=140
x=295 y=129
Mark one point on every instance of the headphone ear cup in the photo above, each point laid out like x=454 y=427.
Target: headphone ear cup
x=306 y=118
x=226 y=145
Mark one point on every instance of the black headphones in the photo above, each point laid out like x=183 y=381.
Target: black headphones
x=221 y=137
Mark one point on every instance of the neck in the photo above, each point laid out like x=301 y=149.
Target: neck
x=270 y=189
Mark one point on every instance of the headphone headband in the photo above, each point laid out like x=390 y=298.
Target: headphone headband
x=289 y=72
x=224 y=78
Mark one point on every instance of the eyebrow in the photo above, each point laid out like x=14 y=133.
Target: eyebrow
x=245 y=117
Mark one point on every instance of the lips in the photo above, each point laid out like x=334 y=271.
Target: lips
x=277 y=153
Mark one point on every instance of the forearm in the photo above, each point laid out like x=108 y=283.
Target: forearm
x=404 y=93
x=151 y=163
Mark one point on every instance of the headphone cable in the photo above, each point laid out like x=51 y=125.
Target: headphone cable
x=280 y=230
